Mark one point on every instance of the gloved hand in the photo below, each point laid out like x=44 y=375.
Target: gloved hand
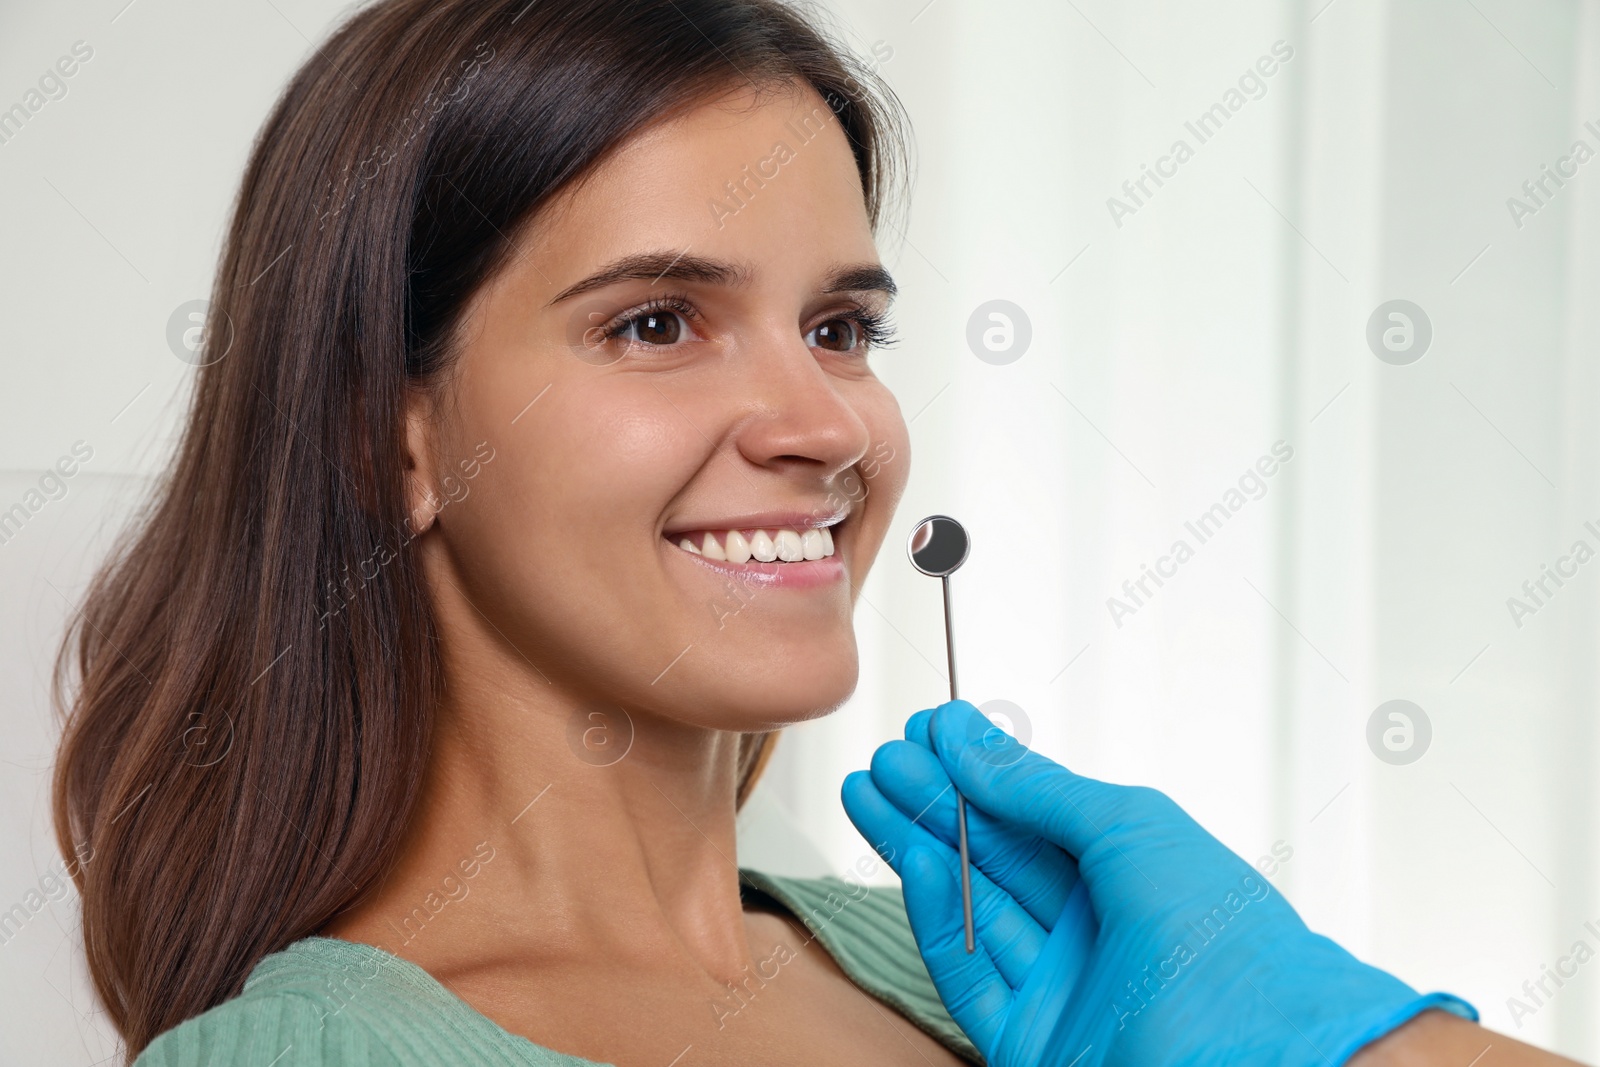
x=1111 y=927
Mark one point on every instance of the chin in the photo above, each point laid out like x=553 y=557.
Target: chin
x=779 y=691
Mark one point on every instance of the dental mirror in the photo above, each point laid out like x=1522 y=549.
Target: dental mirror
x=938 y=547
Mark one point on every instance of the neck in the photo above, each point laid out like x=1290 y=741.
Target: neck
x=579 y=838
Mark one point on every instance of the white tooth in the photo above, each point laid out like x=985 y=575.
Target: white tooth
x=788 y=545
x=688 y=546
x=738 y=548
x=827 y=541
x=762 y=548
x=712 y=549
x=811 y=544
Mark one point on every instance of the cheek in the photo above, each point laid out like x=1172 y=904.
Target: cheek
x=890 y=462
x=607 y=459
x=887 y=464
x=588 y=470
x=557 y=544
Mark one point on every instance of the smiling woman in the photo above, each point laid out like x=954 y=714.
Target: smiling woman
x=674 y=405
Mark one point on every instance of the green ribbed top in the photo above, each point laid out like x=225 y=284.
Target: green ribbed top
x=323 y=1002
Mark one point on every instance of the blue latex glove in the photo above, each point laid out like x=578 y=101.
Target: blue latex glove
x=1111 y=927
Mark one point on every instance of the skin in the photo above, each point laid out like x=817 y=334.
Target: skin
x=607 y=922
x=1438 y=1038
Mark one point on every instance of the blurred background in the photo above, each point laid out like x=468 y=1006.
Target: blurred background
x=1307 y=288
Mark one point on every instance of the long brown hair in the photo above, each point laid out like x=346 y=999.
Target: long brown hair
x=248 y=695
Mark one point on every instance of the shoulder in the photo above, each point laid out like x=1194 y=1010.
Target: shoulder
x=323 y=1001
x=284 y=1028
x=865 y=929
x=865 y=915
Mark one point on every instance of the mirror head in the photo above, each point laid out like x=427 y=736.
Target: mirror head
x=938 y=546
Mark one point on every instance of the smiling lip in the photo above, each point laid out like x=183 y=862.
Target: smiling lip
x=769 y=520
x=802 y=574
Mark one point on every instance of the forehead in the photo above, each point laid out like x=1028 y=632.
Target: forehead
x=766 y=179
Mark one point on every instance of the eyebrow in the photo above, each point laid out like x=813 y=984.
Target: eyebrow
x=854 y=278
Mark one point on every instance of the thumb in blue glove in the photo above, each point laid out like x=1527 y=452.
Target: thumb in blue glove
x=1034 y=900
x=1166 y=948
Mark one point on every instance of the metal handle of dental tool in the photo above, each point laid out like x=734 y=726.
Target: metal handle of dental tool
x=938 y=547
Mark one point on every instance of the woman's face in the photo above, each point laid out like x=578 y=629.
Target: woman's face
x=693 y=464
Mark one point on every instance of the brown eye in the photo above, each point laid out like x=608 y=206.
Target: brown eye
x=835 y=335
x=655 y=328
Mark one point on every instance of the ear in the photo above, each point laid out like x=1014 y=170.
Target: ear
x=422 y=491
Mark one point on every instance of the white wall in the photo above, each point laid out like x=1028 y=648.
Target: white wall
x=1168 y=353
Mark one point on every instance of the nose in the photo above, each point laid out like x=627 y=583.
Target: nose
x=803 y=419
